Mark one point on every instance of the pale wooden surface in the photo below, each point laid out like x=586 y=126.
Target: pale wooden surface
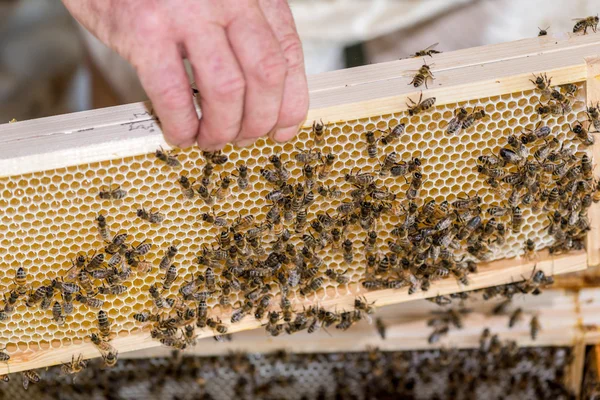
x=593 y=96
x=129 y=130
x=575 y=375
x=494 y=273
x=407 y=329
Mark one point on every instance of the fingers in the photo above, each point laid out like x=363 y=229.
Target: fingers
x=264 y=67
x=164 y=79
x=294 y=106
x=221 y=86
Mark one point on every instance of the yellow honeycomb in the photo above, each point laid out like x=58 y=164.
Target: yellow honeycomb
x=47 y=218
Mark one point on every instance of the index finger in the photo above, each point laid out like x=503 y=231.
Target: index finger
x=294 y=105
x=162 y=74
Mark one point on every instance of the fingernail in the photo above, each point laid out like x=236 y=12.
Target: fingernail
x=245 y=143
x=285 y=134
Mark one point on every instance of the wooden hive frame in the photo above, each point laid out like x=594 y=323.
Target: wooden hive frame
x=495 y=70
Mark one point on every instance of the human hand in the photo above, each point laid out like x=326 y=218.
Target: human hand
x=245 y=54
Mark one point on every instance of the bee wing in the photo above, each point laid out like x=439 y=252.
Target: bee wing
x=431 y=47
x=409 y=72
x=578 y=19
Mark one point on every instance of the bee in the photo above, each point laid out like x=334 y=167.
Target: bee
x=168 y=158
x=95 y=262
x=360 y=179
x=475 y=116
x=110 y=358
x=497 y=211
x=370 y=243
x=388 y=162
x=456 y=123
x=314 y=285
x=209 y=279
x=510 y=156
x=223 y=189
x=535 y=327
x=167 y=259
x=188 y=335
x=103 y=324
x=415 y=108
x=393 y=135
x=593 y=113
x=495 y=173
x=217 y=325
x=101 y=344
x=348 y=253
x=282 y=172
x=361 y=303
x=428 y=51
x=170 y=277
x=583 y=24
x=515 y=317
x=89 y=301
x=112 y=290
x=186 y=187
x=48 y=296
x=116 y=244
x=319 y=131
x=529 y=249
x=381 y=328
x=102 y=228
x=35 y=297
x=340 y=278
x=67 y=304
x=20 y=281
x=542 y=152
x=65 y=287
x=415 y=185
x=30 y=377
x=140 y=250
x=543 y=32
x=582 y=134
x=423 y=75
x=308 y=172
x=57 y=314
x=215 y=157
x=274 y=195
x=152 y=217
x=110 y=194
x=239 y=313
x=542 y=83
x=74 y=367
x=531 y=135
x=214 y=219
x=242 y=176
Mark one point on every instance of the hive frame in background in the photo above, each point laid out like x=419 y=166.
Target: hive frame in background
x=130 y=130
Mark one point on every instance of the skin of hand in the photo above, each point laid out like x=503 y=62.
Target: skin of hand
x=246 y=58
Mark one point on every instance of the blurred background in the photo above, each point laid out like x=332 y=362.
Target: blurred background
x=49 y=65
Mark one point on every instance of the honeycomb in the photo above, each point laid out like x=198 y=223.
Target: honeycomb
x=47 y=218
x=415 y=375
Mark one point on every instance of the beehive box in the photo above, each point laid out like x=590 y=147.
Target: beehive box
x=54 y=167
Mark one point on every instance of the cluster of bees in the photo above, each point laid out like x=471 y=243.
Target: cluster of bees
x=537 y=171
x=496 y=369
x=281 y=255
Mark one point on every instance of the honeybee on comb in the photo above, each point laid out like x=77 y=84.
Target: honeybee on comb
x=319 y=131
x=168 y=158
x=152 y=217
x=420 y=106
x=112 y=194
